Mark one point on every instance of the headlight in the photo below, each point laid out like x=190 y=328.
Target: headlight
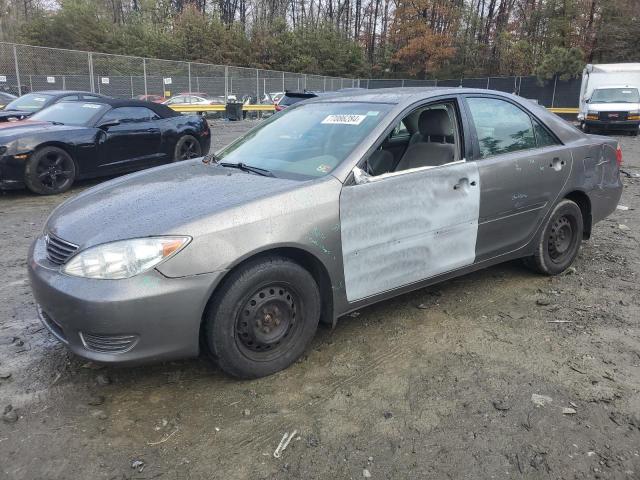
x=125 y=258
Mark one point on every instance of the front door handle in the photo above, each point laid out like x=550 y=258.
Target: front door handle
x=464 y=182
x=557 y=164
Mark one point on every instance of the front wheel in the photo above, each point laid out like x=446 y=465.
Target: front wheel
x=560 y=240
x=187 y=147
x=50 y=170
x=263 y=317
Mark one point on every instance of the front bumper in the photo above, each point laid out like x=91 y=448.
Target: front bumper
x=613 y=124
x=11 y=172
x=146 y=318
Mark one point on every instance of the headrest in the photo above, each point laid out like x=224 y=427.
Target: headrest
x=434 y=123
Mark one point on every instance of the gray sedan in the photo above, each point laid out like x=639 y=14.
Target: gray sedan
x=331 y=205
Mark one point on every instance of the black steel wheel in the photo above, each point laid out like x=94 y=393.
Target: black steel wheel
x=262 y=317
x=187 y=147
x=559 y=243
x=266 y=324
x=50 y=170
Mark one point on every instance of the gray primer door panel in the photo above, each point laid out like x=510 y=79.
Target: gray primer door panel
x=409 y=226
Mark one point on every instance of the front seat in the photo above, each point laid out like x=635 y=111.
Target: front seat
x=434 y=127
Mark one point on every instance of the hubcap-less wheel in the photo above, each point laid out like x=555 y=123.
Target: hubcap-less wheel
x=54 y=170
x=189 y=148
x=266 y=324
x=560 y=239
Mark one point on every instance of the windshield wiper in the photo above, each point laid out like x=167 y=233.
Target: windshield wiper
x=55 y=123
x=248 y=168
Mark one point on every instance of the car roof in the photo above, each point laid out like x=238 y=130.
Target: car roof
x=158 y=108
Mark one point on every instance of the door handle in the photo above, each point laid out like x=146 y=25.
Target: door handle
x=463 y=182
x=557 y=164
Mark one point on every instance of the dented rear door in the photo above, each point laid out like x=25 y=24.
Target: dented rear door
x=408 y=226
x=518 y=189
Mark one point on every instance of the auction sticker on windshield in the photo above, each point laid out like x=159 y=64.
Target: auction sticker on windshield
x=344 y=119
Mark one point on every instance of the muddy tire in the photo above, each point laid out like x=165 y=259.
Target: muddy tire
x=49 y=171
x=262 y=318
x=559 y=243
x=187 y=147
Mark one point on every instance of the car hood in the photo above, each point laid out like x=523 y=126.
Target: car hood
x=5 y=115
x=19 y=128
x=160 y=201
x=613 y=107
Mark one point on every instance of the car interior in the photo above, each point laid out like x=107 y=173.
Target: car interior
x=429 y=136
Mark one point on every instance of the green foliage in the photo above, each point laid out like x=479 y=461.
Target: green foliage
x=565 y=62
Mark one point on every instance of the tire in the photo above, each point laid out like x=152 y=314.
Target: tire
x=559 y=243
x=587 y=129
x=187 y=147
x=262 y=318
x=49 y=171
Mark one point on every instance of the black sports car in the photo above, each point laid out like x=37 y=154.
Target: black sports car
x=72 y=140
x=30 y=103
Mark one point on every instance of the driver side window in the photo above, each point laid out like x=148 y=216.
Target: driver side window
x=428 y=136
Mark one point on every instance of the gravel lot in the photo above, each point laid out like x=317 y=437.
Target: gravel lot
x=433 y=384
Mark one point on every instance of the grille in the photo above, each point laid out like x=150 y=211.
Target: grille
x=58 y=250
x=613 y=116
x=108 y=343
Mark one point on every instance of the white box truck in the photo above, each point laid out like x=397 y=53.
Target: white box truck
x=610 y=97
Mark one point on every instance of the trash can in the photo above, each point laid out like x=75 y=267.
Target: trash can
x=234 y=111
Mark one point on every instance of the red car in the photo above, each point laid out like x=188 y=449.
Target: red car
x=152 y=98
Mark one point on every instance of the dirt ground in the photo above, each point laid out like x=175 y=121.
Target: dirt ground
x=433 y=384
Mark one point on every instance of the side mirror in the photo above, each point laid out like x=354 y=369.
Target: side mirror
x=360 y=176
x=108 y=124
x=586 y=100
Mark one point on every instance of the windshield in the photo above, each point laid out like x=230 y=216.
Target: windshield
x=615 y=95
x=307 y=141
x=71 y=113
x=31 y=102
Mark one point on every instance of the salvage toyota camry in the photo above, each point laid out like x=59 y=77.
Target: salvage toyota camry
x=331 y=205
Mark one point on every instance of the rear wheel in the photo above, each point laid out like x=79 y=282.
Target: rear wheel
x=187 y=147
x=560 y=240
x=263 y=317
x=50 y=170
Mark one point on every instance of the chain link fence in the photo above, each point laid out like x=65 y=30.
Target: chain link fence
x=25 y=68
x=554 y=93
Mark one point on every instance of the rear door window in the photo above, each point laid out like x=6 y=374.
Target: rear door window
x=129 y=115
x=501 y=126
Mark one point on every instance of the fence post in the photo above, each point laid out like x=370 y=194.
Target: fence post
x=403 y=82
x=488 y=82
x=553 y=95
x=324 y=84
x=257 y=86
x=189 y=67
x=15 y=60
x=64 y=83
x=131 y=81
x=92 y=85
x=30 y=83
x=226 y=83
x=144 y=74
x=283 y=82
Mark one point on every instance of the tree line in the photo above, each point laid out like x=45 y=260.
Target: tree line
x=358 y=38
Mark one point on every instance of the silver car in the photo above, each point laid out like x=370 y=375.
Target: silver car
x=331 y=205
